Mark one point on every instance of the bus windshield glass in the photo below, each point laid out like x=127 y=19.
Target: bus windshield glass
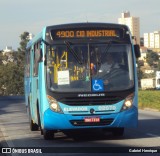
x=74 y=68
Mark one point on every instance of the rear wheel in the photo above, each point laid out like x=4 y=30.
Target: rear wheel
x=48 y=134
x=39 y=120
x=33 y=126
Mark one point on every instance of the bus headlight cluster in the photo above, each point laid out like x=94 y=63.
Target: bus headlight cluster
x=128 y=102
x=54 y=106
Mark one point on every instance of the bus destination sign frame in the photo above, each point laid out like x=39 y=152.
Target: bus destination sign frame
x=85 y=33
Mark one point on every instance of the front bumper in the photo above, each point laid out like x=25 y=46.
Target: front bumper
x=57 y=121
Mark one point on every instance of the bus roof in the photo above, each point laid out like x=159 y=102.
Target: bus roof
x=88 y=24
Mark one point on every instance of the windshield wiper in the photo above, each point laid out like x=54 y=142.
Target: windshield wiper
x=45 y=42
x=73 y=52
x=98 y=60
x=108 y=47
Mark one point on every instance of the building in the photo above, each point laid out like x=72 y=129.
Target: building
x=152 y=40
x=133 y=23
x=149 y=71
x=148 y=83
x=7 y=50
x=143 y=56
x=142 y=41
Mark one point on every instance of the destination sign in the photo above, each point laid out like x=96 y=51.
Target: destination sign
x=84 y=33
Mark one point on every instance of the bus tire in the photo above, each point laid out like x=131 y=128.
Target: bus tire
x=33 y=126
x=39 y=120
x=48 y=134
x=118 y=132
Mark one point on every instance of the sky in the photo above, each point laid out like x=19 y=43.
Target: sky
x=18 y=16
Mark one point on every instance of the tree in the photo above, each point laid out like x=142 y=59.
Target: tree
x=21 y=50
x=152 y=58
x=12 y=73
x=11 y=81
x=24 y=40
x=20 y=59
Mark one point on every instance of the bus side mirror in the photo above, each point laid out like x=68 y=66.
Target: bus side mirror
x=137 y=51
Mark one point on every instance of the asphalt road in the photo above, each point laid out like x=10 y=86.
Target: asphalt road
x=15 y=133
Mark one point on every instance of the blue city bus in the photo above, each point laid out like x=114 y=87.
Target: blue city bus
x=66 y=87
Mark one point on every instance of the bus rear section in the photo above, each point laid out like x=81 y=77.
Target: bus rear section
x=79 y=88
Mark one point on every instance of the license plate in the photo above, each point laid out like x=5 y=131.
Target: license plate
x=92 y=119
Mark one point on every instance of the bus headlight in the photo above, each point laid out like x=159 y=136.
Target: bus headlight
x=54 y=106
x=128 y=102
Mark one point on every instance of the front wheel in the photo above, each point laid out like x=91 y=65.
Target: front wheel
x=48 y=134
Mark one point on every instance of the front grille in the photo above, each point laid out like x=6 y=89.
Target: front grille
x=102 y=122
x=89 y=101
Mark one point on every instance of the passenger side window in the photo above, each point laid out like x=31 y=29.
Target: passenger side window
x=36 y=58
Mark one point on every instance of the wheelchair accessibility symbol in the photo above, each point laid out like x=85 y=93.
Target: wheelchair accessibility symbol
x=97 y=85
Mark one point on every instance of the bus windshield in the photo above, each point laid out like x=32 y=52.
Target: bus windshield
x=74 y=68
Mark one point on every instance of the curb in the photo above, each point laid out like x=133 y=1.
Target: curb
x=151 y=109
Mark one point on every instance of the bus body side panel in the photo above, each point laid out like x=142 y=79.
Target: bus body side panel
x=34 y=93
x=27 y=90
x=27 y=78
x=32 y=83
x=43 y=103
x=34 y=99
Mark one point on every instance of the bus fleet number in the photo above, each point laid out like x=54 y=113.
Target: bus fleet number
x=65 y=34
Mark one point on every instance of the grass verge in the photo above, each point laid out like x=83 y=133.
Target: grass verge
x=149 y=99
